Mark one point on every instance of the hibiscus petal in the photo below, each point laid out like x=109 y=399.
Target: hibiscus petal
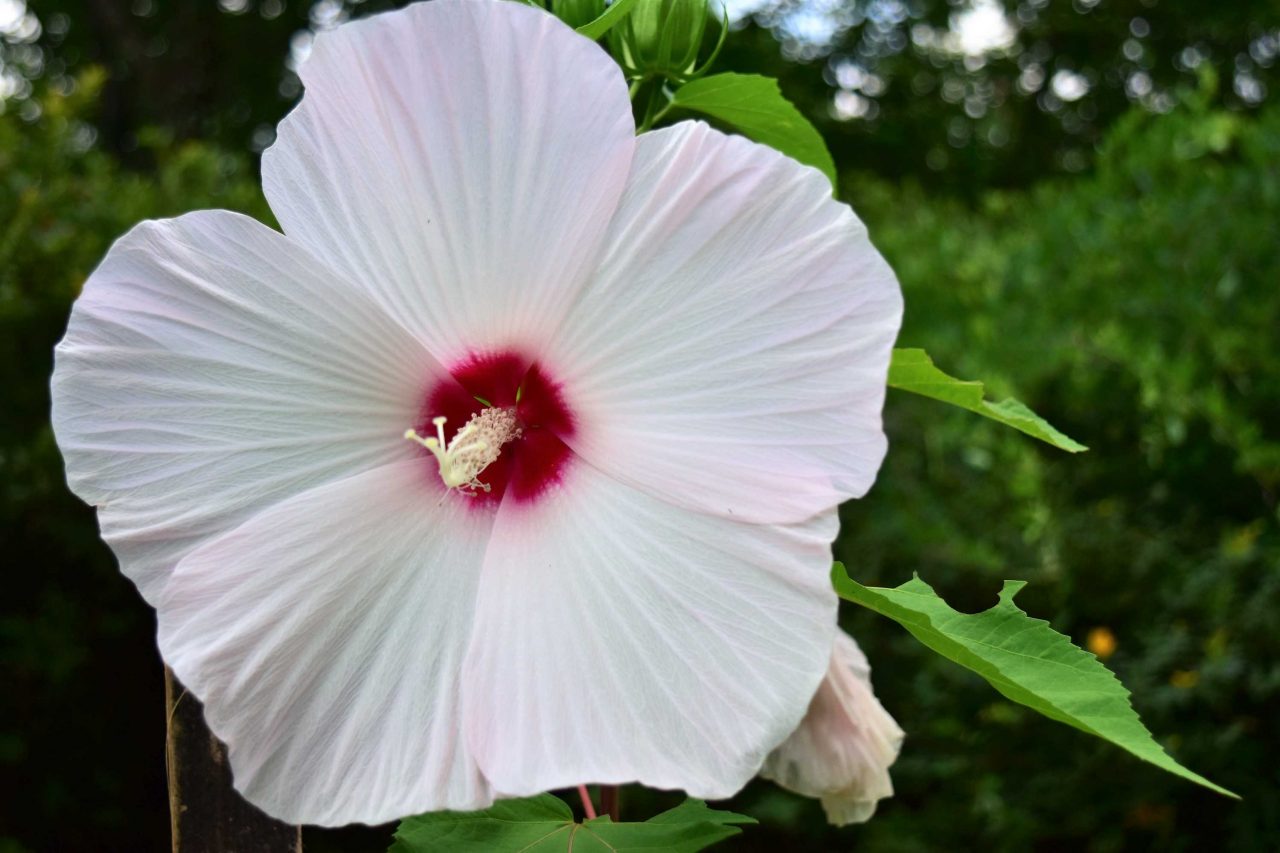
x=460 y=159
x=212 y=368
x=325 y=637
x=731 y=353
x=843 y=749
x=619 y=638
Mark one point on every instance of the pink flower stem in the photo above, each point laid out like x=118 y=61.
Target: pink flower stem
x=587 y=805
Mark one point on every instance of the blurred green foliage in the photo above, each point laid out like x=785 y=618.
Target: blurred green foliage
x=924 y=106
x=82 y=721
x=1135 y=306
x=1057 y=75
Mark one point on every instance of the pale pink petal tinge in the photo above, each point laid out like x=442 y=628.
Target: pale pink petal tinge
x=329 y=652
x=843 y=750
x=636 y=375
x=460 y=160
x=730 y=353
x=212 y=368
x=653 y=643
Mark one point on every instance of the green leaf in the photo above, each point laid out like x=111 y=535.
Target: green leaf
x=616 y=11
x=912 y=370
x=1024 y=659
x=687 y=828
x=544 y=824
x=754 y=105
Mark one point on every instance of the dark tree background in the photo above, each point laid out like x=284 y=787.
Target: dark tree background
x=1056 y=76
x=1081 y=201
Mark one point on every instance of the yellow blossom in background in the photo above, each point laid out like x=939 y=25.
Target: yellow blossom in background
x=1101 y=641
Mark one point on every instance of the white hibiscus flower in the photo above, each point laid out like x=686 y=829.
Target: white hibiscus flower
x=665 y=355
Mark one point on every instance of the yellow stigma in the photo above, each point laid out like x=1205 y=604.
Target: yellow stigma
x=473 y=448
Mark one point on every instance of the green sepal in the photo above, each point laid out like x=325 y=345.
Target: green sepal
x=611 y=17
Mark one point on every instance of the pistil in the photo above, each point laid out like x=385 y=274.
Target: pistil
x=473 y=448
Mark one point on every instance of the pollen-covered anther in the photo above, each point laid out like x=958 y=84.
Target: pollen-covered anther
x=472 y=449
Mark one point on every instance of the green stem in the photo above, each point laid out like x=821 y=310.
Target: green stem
x=652 y=110
x=662 y=112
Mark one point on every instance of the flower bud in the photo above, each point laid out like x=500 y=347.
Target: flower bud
x=661 y=38
x=842 y=751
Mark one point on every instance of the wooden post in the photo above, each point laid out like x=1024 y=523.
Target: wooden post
x=611 y=801
x=206 y=813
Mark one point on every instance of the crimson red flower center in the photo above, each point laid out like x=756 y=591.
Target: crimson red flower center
x=533 y=461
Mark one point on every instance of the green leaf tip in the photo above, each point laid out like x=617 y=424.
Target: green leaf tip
x=545 y=824
x=1008 y=591
x=913 y=370
x=755 y=107
x=1024 y=659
